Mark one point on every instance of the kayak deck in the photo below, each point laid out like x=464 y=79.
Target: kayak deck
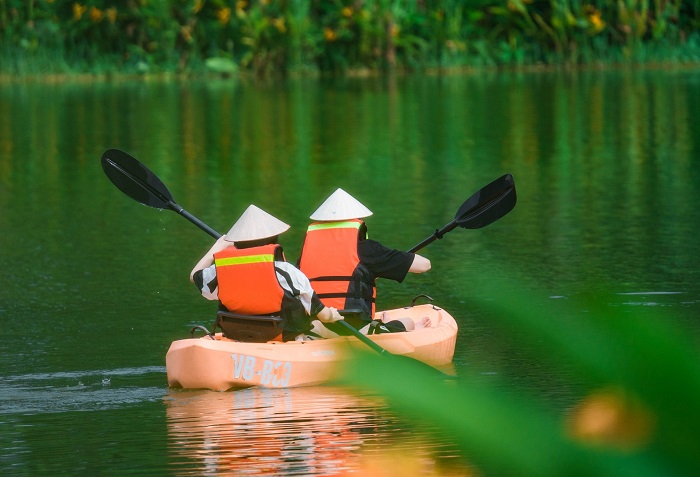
x=219 y=364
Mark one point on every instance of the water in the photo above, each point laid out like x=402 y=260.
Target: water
x=94 y=286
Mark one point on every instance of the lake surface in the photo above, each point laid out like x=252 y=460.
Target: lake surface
x=94 y=286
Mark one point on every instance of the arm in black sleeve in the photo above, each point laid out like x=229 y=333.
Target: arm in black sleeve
x=384 y=262
x=316 y=305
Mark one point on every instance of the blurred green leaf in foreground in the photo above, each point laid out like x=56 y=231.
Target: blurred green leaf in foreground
x=636 y=415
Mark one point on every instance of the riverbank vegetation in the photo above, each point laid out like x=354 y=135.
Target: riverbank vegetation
x=279 y=37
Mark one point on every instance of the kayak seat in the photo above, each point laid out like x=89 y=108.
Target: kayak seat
x=249 y=328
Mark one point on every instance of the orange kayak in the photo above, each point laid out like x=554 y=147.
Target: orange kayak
x=219 y=364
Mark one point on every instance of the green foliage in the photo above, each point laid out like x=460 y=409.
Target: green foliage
x=277 y=36
x=636 y=376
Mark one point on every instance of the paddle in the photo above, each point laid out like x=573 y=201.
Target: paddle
x=407 y=360
x=484 y=207
x=138 y=182
x=355 y=332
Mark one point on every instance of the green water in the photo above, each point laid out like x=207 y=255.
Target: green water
x=94 y=286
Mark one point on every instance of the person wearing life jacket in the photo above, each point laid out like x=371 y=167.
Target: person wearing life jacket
x=343 y=264
x=246 y=271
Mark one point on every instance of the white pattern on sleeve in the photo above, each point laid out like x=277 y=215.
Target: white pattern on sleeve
x=299 y=282
x=209 y=275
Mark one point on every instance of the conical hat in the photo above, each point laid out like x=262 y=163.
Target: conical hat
x=255 y=224
x=340 y=206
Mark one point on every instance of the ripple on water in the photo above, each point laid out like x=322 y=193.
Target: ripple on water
x=80 y=390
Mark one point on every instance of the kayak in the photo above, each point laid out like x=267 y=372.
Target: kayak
x=218 y=363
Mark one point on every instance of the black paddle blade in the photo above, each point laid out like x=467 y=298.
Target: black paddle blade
x=488 y=204
x=136 y=180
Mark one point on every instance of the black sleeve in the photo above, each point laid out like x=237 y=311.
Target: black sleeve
x=198 y=279
x=384 y=262
x=316 y=305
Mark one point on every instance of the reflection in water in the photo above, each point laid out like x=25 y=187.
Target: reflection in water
x=608 y=185
x=298 y=431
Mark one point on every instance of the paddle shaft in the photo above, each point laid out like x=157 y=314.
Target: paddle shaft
x=357 y=334
x=196 y=221
x=436 y=236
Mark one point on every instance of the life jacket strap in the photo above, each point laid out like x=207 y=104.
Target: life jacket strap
x=343 y=295
x=331 y=279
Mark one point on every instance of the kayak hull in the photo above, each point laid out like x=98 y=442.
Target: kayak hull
x=221 y=364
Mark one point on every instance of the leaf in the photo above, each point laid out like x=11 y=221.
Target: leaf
x=221 y=65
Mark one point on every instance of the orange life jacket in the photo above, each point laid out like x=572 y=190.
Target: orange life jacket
x=248 y=281
x=330 y=259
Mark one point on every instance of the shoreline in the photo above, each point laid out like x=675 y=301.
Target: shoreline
x=165 y=77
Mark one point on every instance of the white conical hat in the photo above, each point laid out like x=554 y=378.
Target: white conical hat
x=255 y=224
x=340 y=206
